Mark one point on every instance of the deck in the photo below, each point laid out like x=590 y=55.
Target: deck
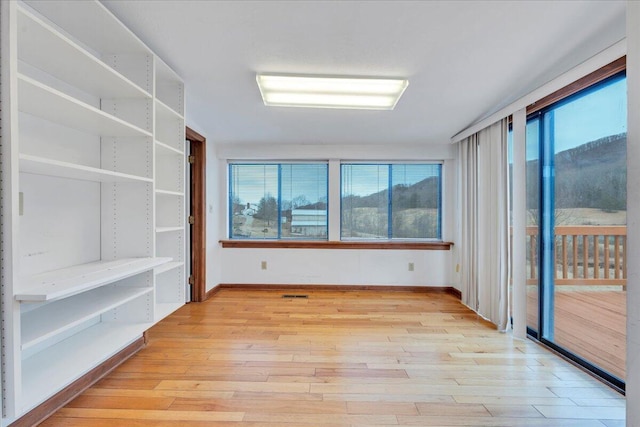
x=591 y=323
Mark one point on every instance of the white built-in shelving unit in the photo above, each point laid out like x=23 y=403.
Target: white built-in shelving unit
x=93 y=194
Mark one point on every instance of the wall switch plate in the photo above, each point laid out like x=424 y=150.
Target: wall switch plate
x=263 y=265
x=411 y=266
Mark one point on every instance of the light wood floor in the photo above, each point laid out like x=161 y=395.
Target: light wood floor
x=359 y=358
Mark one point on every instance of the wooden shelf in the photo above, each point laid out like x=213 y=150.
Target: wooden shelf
x=164 y=112
x=46 y=372
x=42 y=166
x=45 y=48
x=52 y=319
x=50 y=104
x=168 y=229
x=163 y=309
x=167 y=267
x=165 y=149
x=170 y=193
x=81 y=278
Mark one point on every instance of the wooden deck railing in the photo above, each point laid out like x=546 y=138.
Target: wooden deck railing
x=584 y=255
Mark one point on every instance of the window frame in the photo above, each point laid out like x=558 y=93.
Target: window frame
x=390 y=164
x=279 y=164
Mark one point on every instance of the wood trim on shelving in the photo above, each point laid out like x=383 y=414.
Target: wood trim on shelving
x=586 y=81
x=199 y=211
x=318 y=287
x=290 y=244
x=64 y=396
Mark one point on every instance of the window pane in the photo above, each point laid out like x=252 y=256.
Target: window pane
x=391 y=201
x=415 y=201
x=273 y=201
x=365 y=201
x=304 y=201
x=587 y=139
x=253 y=200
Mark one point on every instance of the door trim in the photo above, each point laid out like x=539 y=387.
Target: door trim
x=199 y=212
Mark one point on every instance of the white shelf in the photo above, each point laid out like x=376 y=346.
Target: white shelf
x=167 y=149
x=164 y=112
x=52 y=319
x=42 y=166
x=168 y=229
x=81 y=278
x=50 y=104
x=44 y=47
x=92 y=24
x=87 y=88
x=163 y=309
x=164 y=74
x=167 y=267
x=169 y=193
x=46 y=372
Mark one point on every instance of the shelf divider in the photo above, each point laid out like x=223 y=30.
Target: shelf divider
x=50 y=104
x=71 y=281
x=46 y=48
x=166 y=148
x=42 y=166
x=46 y=372
x=168 y=267
x=52 y=319
x=168 y=229
x=169 y=192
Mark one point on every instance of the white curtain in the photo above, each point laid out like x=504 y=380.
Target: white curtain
x=485 y=223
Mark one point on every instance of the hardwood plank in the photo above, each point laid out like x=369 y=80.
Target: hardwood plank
x=119 y=402
x=128 y=414
x=389 y=408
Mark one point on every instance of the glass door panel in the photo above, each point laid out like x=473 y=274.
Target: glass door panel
x=533 y=220
x=584 y=225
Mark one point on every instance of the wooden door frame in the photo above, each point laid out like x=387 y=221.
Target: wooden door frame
x=199 y=211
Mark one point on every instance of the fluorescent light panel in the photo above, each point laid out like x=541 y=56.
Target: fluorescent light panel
x=330 y=92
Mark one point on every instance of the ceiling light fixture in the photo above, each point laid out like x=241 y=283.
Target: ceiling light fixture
x=364 y=93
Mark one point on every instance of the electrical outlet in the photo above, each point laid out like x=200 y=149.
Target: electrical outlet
x=263 y=265
x=410 y=266
x=457 y=268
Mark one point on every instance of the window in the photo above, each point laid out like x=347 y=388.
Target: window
x=391 y=201
x=278 y=201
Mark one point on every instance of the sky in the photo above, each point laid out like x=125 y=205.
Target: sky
x=365 y=179
x=595 y=115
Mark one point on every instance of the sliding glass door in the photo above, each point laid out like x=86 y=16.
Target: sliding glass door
x=577 y=231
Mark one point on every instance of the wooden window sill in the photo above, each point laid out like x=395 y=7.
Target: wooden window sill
x=307 y=244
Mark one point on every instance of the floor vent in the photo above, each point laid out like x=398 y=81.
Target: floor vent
x=294 y=296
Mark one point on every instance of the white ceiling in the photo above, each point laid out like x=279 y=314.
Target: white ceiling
x=463 y=59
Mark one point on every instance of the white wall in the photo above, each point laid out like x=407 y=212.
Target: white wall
x=327 y=266
x=336 y=267
x=215 y=180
